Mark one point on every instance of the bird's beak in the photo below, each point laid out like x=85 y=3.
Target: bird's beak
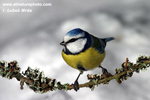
x=63 y=43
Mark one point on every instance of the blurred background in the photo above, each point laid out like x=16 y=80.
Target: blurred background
x=33 y=40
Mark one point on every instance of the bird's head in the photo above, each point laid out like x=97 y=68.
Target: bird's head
x=75 y=41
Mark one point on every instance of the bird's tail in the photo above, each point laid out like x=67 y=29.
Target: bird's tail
x=108 y=39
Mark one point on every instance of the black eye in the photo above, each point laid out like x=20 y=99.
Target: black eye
x=72 y=40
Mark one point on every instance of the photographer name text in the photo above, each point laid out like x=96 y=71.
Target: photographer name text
x=22 y=7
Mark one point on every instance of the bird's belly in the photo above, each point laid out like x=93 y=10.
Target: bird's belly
x=89 y=59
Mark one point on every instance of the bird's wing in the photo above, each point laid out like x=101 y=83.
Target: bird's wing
x=98 y=44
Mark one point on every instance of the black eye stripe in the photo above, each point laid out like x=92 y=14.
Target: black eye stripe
x=74 y=39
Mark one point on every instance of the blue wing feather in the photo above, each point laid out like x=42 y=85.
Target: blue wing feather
x=100 y=43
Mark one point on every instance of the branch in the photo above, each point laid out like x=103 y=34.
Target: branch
x=36 y=80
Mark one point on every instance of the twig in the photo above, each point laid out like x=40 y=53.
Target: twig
x=41 y=84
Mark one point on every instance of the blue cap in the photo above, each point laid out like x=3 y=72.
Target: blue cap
x=75 y=31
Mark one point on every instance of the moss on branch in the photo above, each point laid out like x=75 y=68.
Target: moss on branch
x=37 y=81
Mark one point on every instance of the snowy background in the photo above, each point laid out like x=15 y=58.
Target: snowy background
x=33 y=40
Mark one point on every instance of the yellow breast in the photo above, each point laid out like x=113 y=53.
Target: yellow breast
x=89 y=59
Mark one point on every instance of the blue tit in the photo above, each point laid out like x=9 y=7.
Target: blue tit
x=83 y=51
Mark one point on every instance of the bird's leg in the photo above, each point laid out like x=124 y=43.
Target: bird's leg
x=76 y=84
x=104 y=70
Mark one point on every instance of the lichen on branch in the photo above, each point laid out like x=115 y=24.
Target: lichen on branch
x=36 y=80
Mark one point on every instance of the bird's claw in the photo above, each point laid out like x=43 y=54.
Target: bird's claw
x=105 y=71
x=76 y=85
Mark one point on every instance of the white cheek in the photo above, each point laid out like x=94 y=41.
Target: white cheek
x=76 y=46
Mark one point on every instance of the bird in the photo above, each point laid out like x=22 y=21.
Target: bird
x=83 y=51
